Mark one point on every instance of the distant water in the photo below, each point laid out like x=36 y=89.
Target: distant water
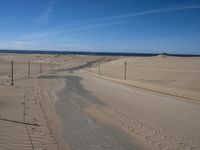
x=91 y=53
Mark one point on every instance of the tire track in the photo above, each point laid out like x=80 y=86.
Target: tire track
x=36 y=110
x=16 y=136
x=156 y=138
x=150 y=89
x=24 y=118
x=47 y=109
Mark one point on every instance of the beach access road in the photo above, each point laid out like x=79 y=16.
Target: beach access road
x=93 y=109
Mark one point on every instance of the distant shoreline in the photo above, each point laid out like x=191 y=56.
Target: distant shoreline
x=93 y=53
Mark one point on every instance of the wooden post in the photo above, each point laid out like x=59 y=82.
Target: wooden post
x=29 y=69
x=51 y=67
x=99 y=68
x=125 y=64
x=40 y=68
x=90 y=66
x=86 y=66
x=12 y=80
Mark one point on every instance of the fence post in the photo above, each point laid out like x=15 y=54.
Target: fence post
x=99 y=68
x=90 y=66
x=51 y=67
x=12 y=80
x=29 y=69
x=125 y=64
x=40 y=68
x=86 y=67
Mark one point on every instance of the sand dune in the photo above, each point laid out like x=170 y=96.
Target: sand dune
x=178 y=75
x=157 y=107
x=155 y=120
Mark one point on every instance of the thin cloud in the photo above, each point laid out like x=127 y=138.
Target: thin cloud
x=110 y=19
x=70 y=31
x=45 y=16
x=124 y=16
x=38 y=35
x=148 y=12
x=99 y=22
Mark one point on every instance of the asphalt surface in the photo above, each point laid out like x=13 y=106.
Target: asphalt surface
x=81 y=132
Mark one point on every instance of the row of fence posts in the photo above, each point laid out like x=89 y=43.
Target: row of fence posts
x=52 y=68
x=99 y=68
x=29 y=70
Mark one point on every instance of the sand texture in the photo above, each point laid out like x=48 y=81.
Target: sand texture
x=176 y=76
x=66 y=104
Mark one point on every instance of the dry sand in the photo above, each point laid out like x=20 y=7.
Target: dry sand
x=157 y=107
x=172 y=75
x=27 y=116
x=154 y=120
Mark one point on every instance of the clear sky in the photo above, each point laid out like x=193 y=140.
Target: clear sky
x=145 y=26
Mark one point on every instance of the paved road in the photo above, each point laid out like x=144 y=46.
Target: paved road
x=81 y=132
x=159 y=121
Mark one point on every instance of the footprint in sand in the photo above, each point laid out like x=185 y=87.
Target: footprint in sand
x=35 y=120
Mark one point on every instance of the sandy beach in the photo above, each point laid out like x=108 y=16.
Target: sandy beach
x=84 y=102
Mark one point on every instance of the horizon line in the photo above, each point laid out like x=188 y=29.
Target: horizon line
x=23 y=51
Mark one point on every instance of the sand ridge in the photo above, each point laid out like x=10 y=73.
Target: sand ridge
x=175 y=76
x=39 y=126
x=150 y=118
x=157 y=106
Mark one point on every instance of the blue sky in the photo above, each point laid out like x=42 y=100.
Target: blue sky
x=145 y=26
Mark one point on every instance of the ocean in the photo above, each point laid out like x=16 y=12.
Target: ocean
x=92 y=53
